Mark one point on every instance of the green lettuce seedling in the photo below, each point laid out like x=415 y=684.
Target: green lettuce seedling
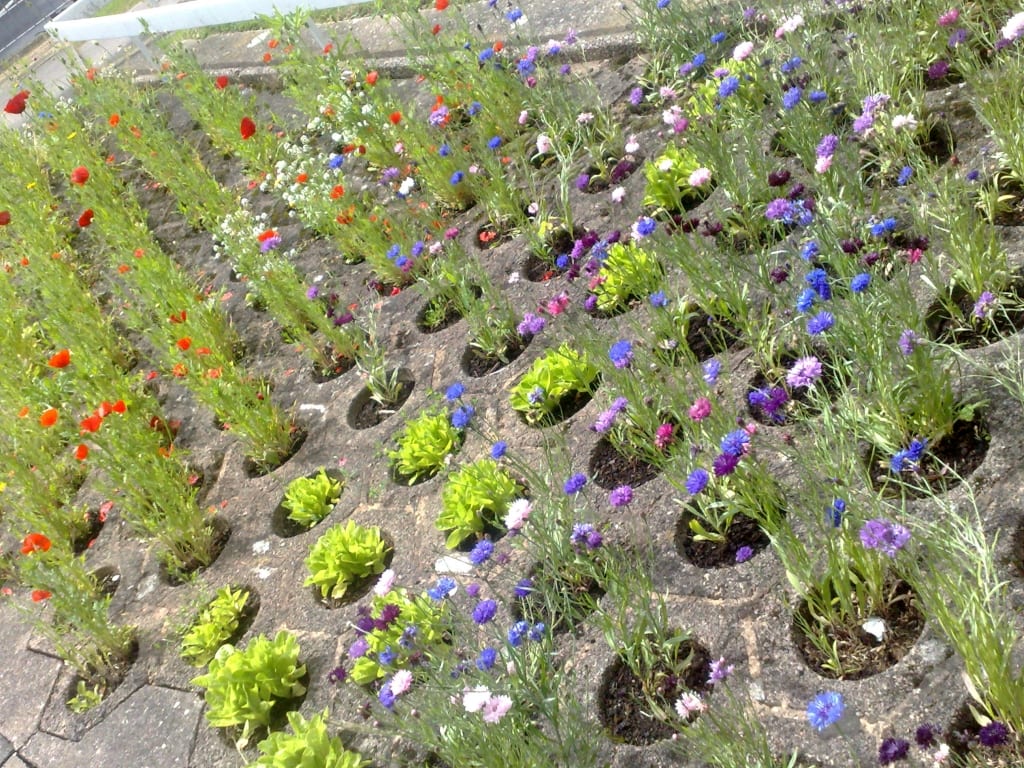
x=310 y=499
x=424 y=445
x=554 y=375
x=308 y=746
x=214 y=626
x=476 y=495
x=342 y=556
x=627 y=273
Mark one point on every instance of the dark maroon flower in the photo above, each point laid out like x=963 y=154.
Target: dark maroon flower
x=938 y=70
x=892 y=750
x=778 y=178
x=779 y=275
x=851 y=246
x=621 y=170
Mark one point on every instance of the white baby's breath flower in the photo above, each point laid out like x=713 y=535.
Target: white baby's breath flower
x=904 y=121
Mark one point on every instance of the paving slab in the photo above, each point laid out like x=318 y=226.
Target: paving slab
x=153 y=728
x=26 y=679
x=15 y=762
x=6 y=749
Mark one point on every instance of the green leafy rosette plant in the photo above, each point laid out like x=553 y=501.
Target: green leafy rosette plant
x=424 y=446
x=342 y=556
x=554 y=376
x=243 y=685
x=308 y=746
x=475 y=496
x=669 y=180
x=214 y=626
x=310 y=499
x=627 y=273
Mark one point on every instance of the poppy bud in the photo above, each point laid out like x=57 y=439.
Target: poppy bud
x=80 y=175
x=247 y=128
x=60 y=359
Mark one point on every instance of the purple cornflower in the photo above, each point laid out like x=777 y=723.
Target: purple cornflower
x=777 y=209
x=582 y=182
x=482 y=552
x=827 y=146
x=724 y=464
x=905 y=173
x=587 y=535
x=728 y=87
x=697 y=481
x=892 y=750
x=621 y=496
x=636 y=95
x=337 y=675
x=884 y=535
x=995 y=734
x=575 y=484
x=982 y=307
x=312 y=292
x=270 y=243
x=531 y=325
x=743 y=554
x=820 y=323
x=926 y=735
x=523 y=587
x=484 y=611
x=718 y=671
x=804 y=372
x=938 y=70
x=621 y=353
x=710 y=369
x=769 y=401
x=908 y=341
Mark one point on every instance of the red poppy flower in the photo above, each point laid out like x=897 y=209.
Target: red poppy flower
x=272 y=42
x=266 y=234
x=5 y=218
x=104 y=410
x=16 y=104
x=60 y=359
x=82 y=452
x=48 y=417
x=435 y=29
x=178 y=318
x=91 y=423
x=119 y=407
x=23 y=412
x=221 y=82
x=267 y=57
x=38 y=595
x=86 y=218
x=498 y=47
x=204 y=351
x=35 y=542
x=328 y=48
x=122 y=268
x=247 y=128
x=337 y=192
x=184 y=344
x=395 y=118
x=180 y=370
x=440 y=5
x=214 y=373
x=80 y=175
x=90 y=74
x=114 y=119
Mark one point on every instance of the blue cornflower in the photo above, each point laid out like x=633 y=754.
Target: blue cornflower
x=499 y=449
x=816 y=97
x=484 y=611
x=523 y=587
x=791 y=98
x=485 y=55
x=335 y=162
x=905 y=173
x=517 y=632
x=444 y=150
x=908 y=458
x=621 y=353
x=883 y=227
x=735 y=443
x=743 y=554
x=482 y=552
x=860 y=282
x=386 y=656
x=663 y=3
x=805 y=300
x=454 y=392
x=818 y=280
x=536 y=632
x=645 y=226
x=575 y=484
x=698 y=60
x=810 y=250
x=456 y=177
x=728 y=87
x=462 y=415
x=486 y=659
x=791 y=65
x=474 y=108
x=825 y=709
x=536 y=395
x=697 y=481
x=834 y=514
x=658 y=299
x=820 y=323
x=385 y=696
x=494 y=142
x=717 y=38
x=514 y=15
x=445 y=586
x=711 y=368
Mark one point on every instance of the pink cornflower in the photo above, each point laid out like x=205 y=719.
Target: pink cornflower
x=663 y=436
x=949 y=17
x=496 y=708
x=700 y=409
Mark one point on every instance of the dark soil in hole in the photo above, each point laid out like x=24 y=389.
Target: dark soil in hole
x=365 y=412
x=358 y=589
x=476 y=364
x=492 y=530
x=617 y=173
x=621 y=307
x=571 y=597
x=114 y=676
x=743 y=532
x=488 y=236
x=284 y=526
x=861 y=653
x=221 y=534
x=939 y=144
x=567 y=407
x=539 y=268
x=253 y=469
x=108 y=579
x=963 y=449
x=94 y=521
x=622 y=706
x=339 y=366
x=1011 y=214
x=1004 y=319
x=707 y=336
x=610 y=469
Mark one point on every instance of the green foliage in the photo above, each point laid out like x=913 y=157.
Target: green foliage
x=475 y=495
x=668 y=180
x=85 y=698
x=308 y=746
x=310 y=499
x=431 y=620
x=243 y=685
x=214 y=626
x=343 y=555
x=424 y=445
x=628 y=273
x=554 y=375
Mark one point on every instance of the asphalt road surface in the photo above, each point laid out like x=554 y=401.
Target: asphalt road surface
x=22 y=20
